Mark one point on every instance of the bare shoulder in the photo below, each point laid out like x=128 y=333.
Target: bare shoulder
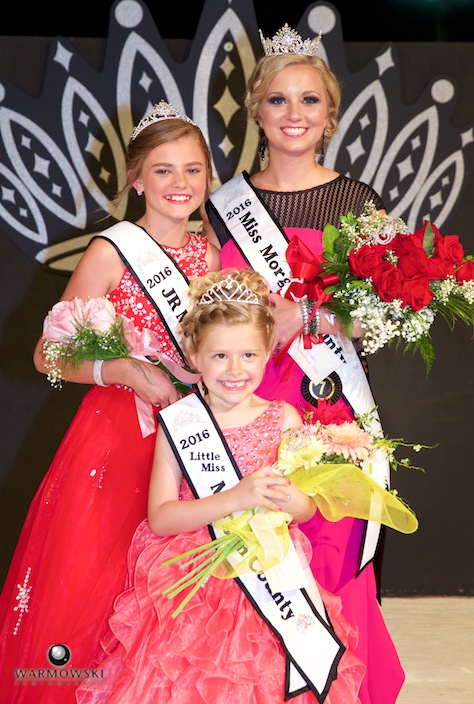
x=291 y=417
x=98 y=272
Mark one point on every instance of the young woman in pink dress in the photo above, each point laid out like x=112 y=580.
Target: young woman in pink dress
x=272 y=221
x=71 y=557
x=213 y=457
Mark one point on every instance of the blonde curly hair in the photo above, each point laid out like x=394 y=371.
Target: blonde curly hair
x=202 y=316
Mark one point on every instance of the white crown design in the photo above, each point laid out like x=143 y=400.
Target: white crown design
x=288 y=41
x=159 y=111
x=59 y=152
x=229 y=290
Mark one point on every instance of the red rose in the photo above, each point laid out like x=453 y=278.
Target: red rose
x=439 y=268
x=465 y=272
x=412 y=259
x=388 y=281
x=417 y=293
x=449 y=249
x=363 y=262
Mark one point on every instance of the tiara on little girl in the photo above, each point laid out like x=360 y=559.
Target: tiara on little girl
x=160 y=111
x=229 y=290
x=288 y=41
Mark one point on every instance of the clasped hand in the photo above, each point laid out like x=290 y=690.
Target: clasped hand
x=263 y=488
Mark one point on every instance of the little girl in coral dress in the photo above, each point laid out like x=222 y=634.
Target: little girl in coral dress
x=228 y=642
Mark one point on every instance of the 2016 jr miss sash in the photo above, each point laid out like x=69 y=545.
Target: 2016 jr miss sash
x=263 y=244
x=165 y=285
x=159 y=276
x=296 y=616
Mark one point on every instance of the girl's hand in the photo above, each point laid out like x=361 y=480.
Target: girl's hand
x=151 y=384
x=301 y=506
x=288 y=321
x=261 y=488
x=287 y=317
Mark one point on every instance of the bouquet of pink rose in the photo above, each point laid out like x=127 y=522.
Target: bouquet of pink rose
x=395 y=282
x=76 y=331
x=330 y=459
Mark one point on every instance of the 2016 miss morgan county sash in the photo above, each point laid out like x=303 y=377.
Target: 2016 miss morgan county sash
x=296 y=616
x=263 y=244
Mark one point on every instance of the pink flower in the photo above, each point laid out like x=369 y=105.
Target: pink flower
x=348 y=440
x=62 y=320
x=99 y=313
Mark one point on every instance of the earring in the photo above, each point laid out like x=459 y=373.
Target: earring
x=139 y=193
x=321 y=158
x=263 y=145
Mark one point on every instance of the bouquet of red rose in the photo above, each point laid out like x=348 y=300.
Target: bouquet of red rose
x=395 y=282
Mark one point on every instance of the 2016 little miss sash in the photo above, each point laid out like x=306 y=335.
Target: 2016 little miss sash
x=264 y=244
x=297 y=616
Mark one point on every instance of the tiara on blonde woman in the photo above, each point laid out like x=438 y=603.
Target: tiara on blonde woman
x=160 y=111
x=288 y=41
x=229 y=290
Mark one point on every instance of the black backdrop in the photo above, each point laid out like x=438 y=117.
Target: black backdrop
x=438 y=409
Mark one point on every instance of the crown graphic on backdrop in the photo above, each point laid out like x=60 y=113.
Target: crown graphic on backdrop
x=62 y=154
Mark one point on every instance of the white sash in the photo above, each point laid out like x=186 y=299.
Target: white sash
x=263 y=244
x=296 y=616
x=159 y=276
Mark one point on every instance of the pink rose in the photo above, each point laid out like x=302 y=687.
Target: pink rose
x=99 y=313
x=61 y=320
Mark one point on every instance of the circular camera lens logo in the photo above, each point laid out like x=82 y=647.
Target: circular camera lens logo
x=59 y=654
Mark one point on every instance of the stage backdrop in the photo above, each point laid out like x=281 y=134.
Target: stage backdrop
x=67 y=108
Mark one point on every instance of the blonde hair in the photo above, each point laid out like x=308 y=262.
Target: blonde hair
x=153 y=136
x=201 y=317
x=268 y=67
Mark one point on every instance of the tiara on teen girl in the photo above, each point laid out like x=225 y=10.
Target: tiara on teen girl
x=229 y=290
x=288 y=41
x=160 y=111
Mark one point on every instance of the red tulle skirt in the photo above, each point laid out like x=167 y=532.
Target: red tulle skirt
x=71 y=559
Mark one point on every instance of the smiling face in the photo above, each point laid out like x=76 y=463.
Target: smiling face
x=294 y=111
x=174 y=178
x=231 y=359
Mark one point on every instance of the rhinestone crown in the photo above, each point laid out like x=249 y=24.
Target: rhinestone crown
x=288 y=41
x=159 y=111
x=229 y=290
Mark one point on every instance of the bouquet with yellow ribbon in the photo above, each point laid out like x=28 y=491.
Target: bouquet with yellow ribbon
x=331 y=463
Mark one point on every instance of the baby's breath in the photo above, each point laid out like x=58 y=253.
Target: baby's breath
x=386 y=321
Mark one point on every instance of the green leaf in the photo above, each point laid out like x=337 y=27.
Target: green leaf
x=330 y=235
x=428 y=239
